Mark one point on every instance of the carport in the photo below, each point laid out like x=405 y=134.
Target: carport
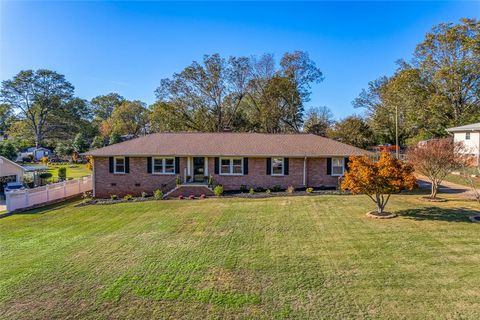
x=9 y=172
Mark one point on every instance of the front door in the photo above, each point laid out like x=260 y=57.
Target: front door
x=198 y=169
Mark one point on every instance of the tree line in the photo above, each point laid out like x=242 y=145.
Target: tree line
x=438 y=88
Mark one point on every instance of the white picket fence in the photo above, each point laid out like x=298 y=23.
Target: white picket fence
x=42 y=195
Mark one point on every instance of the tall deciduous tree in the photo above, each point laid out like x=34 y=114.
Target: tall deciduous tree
x=206 y=96
x=129 y=118
x=352 y=130
x=239 y=93
x=378 y=179
x=318 y=121
x=6 y=117
x=103 y=106
x=36 y=95
x=450 y=58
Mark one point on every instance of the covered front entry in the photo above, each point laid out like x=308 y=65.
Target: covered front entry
x=198 y=169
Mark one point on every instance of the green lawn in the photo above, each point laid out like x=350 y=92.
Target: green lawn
x=73 y=171
x=292 y=257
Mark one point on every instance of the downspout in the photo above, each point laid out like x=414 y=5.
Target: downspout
x=93 y=176
x=305 y=171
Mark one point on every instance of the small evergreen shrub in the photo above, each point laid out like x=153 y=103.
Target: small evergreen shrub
x=180 y=197
x=210 y=180
x=218 y=190
x=243 y=188
x=309 y=190
x=144 y=194
x=158 y=194
x=268 y=191
x=191 y=197
x=128 y=197
x=203 y=196
x=290 y=189
x=259 y=189
x=45 y=175
x=178 y=181
x=277 y=188
x=62 y=173
x=251 y=191
x=113 y=197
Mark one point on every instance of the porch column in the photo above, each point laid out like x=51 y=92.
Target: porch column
x=189 y=171
x=206 y=167
x=305 y=171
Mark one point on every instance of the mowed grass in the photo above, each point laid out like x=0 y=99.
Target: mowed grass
x=291 y=257
x=73 y=171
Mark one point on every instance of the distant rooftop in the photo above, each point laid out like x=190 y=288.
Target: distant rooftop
x=468 y=127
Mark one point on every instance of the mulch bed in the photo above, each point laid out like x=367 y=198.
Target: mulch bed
x=256 y=195
x=384 y=215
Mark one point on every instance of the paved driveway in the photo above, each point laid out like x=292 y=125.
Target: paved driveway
x=447 y=187
x=3 y=207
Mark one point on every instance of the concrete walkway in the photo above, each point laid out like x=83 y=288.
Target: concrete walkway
x=3 y=206
x=447 y=188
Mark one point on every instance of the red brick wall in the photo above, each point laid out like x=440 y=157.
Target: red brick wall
x=126 y=183
x=257 y=177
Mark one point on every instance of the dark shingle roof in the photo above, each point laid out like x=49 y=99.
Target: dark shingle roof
x=228 y=144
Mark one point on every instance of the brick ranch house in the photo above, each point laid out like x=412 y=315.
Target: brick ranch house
x=233 y=160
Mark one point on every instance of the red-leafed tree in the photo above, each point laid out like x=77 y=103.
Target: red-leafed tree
x=436 y=159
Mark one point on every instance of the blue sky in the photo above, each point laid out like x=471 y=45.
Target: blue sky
x=127 y=47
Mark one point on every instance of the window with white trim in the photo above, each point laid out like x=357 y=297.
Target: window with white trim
x=119 y=165
x=163 y=165
x=467 y=136
x=278 y=166
x=338 y=165
x=231 y=166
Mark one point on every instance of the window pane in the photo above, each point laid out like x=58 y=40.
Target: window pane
x=237 y=169
x=337 y=162
x=225 y=162
x=157 y=165
x=237 y=162
x=169 y=165
x=337 y=170
x=277 y=166
x=225 y=169
x=120 y=165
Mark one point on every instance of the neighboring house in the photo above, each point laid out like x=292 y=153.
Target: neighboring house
x=234 y=160
x=469 y=135
x=9 y=172
x=36 y=153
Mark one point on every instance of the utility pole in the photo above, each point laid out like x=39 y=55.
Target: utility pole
x=397 y=147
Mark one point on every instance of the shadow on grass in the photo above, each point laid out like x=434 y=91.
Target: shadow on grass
x=438 y=214
x=42 y=210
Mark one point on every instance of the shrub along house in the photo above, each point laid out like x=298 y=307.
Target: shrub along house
x=234 y=160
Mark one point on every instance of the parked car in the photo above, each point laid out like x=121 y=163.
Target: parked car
x=13 y=186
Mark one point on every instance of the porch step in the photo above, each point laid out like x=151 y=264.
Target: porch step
x=187 y=190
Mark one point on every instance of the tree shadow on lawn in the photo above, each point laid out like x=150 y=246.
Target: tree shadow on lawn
x=438 y=214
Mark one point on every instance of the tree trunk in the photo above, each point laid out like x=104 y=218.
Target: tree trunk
x=433 y=193
x=38 y=140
